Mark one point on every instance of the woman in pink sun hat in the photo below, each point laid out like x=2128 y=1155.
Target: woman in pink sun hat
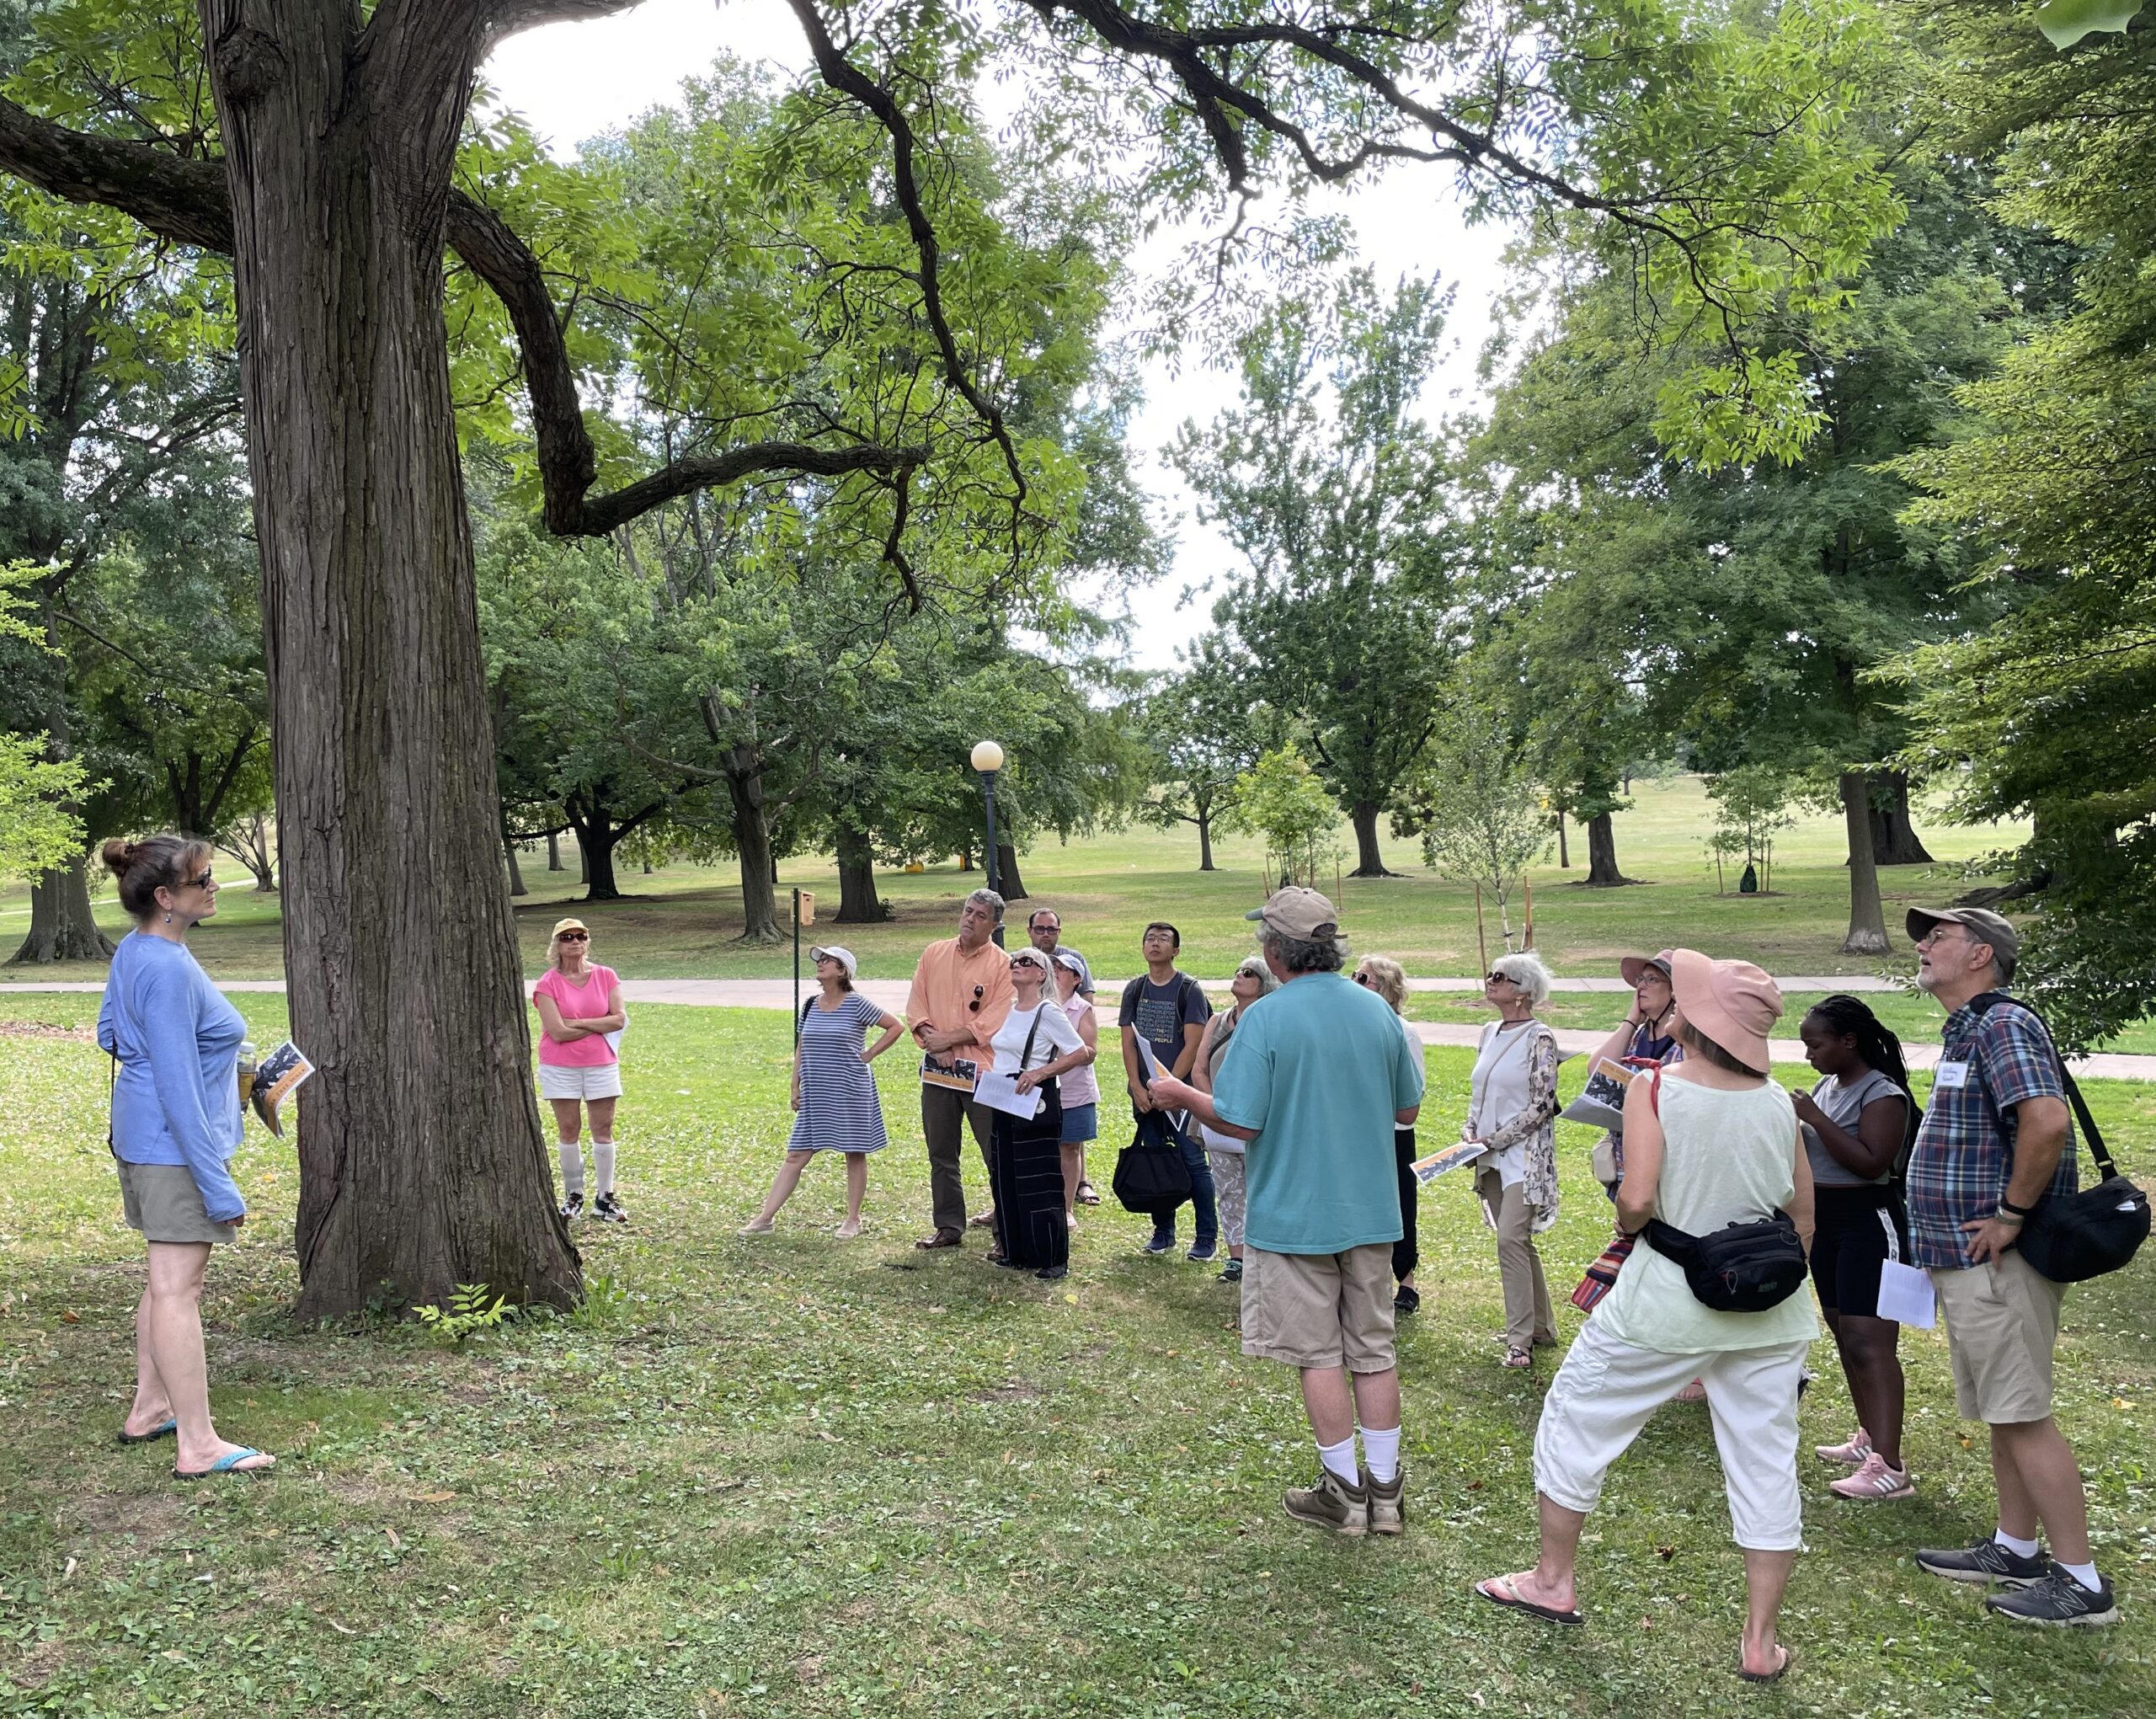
x=1709 y=1142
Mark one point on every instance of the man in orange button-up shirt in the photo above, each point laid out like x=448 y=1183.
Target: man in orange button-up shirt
x=961 y=995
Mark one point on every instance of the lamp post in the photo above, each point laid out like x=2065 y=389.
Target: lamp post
x=988 y=759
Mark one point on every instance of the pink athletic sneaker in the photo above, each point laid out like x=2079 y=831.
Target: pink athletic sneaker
x=1850 y=1454
x=1875 y=1482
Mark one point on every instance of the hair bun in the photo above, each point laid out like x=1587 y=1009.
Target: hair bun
x=118 y=856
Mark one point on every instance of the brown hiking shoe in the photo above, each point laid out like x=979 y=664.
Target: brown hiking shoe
x=1388 y=1502
x=1330 y=1504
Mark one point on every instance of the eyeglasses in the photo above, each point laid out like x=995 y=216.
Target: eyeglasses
x=980 y=991
x=576 y=936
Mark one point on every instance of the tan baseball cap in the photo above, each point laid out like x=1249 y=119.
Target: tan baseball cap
x=1981 y=923
x=566 y=925
x=1299 y=912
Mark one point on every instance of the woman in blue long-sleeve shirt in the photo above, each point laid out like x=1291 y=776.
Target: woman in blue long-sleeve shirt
x=175 y=1120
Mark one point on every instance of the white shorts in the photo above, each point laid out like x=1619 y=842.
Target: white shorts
x=1608 y=1390
x=597 y=1080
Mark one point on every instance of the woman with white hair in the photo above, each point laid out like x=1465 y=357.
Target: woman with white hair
x=1511 y=1111
x=1223 y=1152
x=1035 y=1043
x=836 y=1108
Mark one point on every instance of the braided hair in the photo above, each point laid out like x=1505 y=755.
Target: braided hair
x=1847 y=1017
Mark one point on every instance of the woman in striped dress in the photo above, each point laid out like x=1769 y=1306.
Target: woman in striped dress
x=835 y=1104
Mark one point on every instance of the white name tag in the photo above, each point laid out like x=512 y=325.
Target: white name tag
x=1951 y=1074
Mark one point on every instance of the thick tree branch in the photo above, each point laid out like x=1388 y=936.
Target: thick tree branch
x=184 y=201
x=506 y=18
x=694 y=472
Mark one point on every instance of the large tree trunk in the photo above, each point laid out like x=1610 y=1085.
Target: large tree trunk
x=1008 y=884
x=62 y=927
x=1564 y=847
x=858 y=901
x=515 y=872
x=752 y=841
x=596 y=840
x=1205 y=841
x=554 y=850
x=1602 y=871
x=1894 y=838
x=421 y=1162
x=1369 y=861
x=1867 y=917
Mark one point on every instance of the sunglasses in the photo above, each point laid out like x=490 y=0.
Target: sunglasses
x=201 y=882
x=576 y=936
x=1499 y=978
x=1362 y=978
x=973 y=1008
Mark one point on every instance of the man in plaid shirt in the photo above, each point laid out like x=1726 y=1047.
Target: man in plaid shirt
x=1996 y=1140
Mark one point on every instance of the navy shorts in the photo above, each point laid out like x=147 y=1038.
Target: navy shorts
x=1860 y=1230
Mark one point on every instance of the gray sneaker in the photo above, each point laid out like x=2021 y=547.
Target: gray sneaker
x=2058 y=1600
x=1331 y=1504
x=1388 y=1502
x=1985 y=1562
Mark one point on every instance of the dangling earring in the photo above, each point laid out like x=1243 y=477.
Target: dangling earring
x=167 y=919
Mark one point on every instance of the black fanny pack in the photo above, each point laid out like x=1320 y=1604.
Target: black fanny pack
x=1741 y=1268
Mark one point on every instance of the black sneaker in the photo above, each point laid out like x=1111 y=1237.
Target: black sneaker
x=1201 y=1255
x=1406 y=1299
x=1985 y=1562
x=608 y=1210
x=1232 y=1272
x=2058 y=1600
x=573 y=1208
x=1160 y=1244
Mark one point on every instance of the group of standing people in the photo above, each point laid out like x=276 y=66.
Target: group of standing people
x=1294 y=1110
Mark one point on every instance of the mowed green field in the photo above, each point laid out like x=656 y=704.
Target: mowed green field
x=796 y=1476
x=681 y=922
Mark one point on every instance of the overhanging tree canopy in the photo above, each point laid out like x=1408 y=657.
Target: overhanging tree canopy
x=324 y=161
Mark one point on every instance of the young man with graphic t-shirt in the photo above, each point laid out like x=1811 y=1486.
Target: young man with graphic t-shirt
x=1168 y=1010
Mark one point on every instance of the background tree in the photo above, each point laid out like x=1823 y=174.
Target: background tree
x=1474 y=800
x=1330 y=487
x=315 y=141
x=1282 y=800
x=1204 y=734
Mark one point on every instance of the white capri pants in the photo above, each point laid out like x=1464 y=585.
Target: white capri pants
x=1608 y=1390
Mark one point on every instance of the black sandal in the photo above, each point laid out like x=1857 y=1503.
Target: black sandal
x=1088 y=1195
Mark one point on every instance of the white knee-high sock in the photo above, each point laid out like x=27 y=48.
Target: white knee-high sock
x=602 y=1164
x=572 y=1168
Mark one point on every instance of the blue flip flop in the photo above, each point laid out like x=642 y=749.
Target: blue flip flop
x=224 y=1464
x=164 y=1429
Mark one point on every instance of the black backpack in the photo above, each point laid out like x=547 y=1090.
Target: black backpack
x=2072 y=1237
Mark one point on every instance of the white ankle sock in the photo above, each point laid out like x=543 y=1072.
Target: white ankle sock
x=2086 y=1574
x=1340 y=1460
x=2020 y=1548
x=572 y=1168
x=1381 y=1453
x=602 y=1164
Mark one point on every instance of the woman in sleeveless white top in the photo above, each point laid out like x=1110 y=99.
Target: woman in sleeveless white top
x=1709 y=1143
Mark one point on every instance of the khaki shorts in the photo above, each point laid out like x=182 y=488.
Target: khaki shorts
x=2002 y=1325
x=163 y=1203
x=1320 y=1309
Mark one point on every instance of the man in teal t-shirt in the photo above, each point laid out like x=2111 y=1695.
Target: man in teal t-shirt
x=1317 y=1078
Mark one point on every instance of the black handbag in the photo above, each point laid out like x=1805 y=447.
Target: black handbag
x=2072 y=1237
x=1740 y=1268
x=1150 y=1174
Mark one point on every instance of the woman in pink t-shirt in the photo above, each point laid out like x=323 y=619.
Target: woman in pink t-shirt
x=581 y=1020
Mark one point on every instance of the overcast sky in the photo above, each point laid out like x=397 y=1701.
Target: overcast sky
x=575 y=81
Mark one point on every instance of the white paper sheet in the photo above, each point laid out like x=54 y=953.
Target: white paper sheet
x=1000 y=1092
x=1906 y=1296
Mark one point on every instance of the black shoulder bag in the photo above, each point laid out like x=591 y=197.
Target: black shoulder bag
x=2072 y=1237
x=1739 y=1269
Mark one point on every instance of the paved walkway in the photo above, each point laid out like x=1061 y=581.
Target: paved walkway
x=891 y=994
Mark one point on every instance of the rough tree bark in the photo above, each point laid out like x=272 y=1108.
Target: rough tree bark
x=1867 y=916
x=1008 y=884
x=1602 y=871
x=1369 y=862
x=1894 y=838
x=858 y=904
x=752 y=841
x=338 y=157
x=62 y=927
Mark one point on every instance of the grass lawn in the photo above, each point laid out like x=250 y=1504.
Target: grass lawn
x=796 y=1476
x=680 y=922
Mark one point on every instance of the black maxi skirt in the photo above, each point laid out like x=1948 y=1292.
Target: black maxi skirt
x=1026 y=1176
